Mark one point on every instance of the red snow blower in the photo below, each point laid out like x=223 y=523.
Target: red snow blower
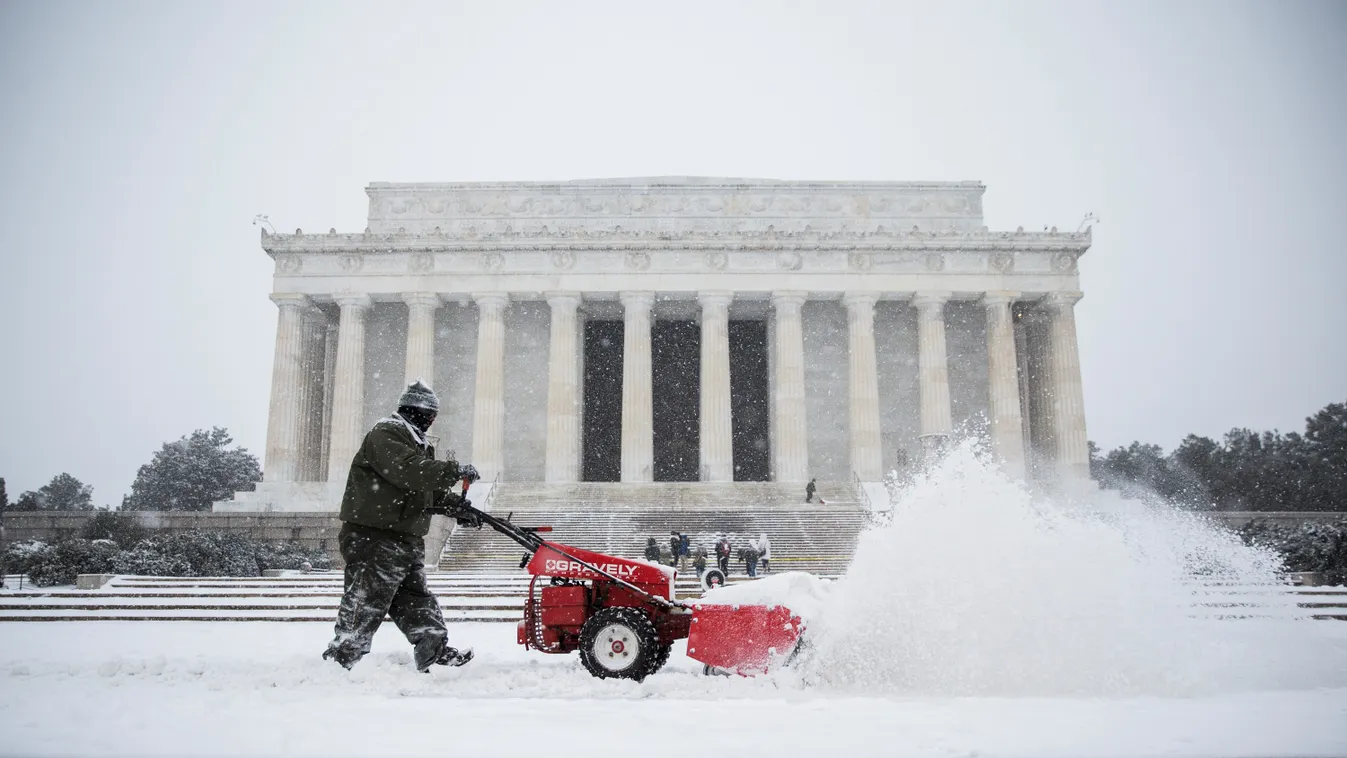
x=622 y=616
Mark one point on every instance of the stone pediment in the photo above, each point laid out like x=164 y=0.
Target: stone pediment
x=672 y=207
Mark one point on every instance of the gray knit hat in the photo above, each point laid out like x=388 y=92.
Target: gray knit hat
x=418 y=395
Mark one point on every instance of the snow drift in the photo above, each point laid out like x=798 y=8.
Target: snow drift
x=979 y=587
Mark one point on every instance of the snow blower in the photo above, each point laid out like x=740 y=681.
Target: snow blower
x=621 y=614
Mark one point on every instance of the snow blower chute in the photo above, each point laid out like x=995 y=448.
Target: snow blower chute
x=621 y=614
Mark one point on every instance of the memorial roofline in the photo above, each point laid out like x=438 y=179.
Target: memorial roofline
x=617 y=238
x=681 y=182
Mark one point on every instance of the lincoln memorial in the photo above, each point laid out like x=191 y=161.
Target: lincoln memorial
x=675 y=329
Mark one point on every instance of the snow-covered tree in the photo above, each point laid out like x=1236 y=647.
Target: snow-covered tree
x=192 y=473
x=4 y=496
x=63 y=493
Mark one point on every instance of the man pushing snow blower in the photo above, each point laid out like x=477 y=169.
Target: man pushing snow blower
x=394 y=487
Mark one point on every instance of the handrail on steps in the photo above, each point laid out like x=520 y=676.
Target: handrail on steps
x=864 y=496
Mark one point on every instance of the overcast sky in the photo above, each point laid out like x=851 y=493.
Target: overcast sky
x=141 y=138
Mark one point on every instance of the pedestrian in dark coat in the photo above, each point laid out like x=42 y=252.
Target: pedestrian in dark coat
x=699 y=561
x=751 y=559
x=723 y=551
x=652 y=550
x=675 y=549
x=394 y=485
x=809 y=490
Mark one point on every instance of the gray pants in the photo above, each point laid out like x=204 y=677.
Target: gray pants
x=385 y=576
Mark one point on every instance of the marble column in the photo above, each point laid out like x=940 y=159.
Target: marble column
x=313 y=412
x=1023 y=360
x=638 y=455
x=563 y=390
x=348 y=387
x=284 y=422
x=488 y=413
x=863 y=386
x=1003 y=383
x=420 y=363
x=329 y=393
x=933 y=372
x=791 y=445
x=1067 y=397
x=717 y=445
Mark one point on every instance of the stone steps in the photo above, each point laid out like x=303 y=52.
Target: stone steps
x=477 y=598
x=617 y=519
x=296 y=598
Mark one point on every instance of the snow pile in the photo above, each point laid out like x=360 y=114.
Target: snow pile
x=804 y=594
x=978 y=587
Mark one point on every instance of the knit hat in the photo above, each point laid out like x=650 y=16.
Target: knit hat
x=418 y=395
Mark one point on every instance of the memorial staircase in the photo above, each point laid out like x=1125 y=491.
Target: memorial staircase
x=313 y=597
x=617 y=519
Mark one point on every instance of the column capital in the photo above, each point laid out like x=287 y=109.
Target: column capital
x=567 y=301
x=290 y=300
x=424 y=299
x=999 y=297
x=487 y=300
x=352 y=300
x=789 y=299
x=931 y=301
x=637 y=300
x=715 y=298
x=316 y=317
x=1062 y=300
x=855 y=300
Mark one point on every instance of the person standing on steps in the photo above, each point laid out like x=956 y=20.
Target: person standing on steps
x=809 y=490
x=764 y=552
x=652 y=551
x=675 y=548
x=723 y=551
x=684 y=548
x=699 y=561
x=394 y=486
x=751 y=556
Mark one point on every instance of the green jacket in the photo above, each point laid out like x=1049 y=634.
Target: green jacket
x=393 y=479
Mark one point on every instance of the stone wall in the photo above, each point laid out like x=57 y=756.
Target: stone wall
x=827 y=414
x=455 y=378
x=385 y=361
x=527 y=335
x=899 y=390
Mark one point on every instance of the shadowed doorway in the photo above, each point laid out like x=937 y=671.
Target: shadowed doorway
x=602 y=430
x=749 y=401
x=675 y=357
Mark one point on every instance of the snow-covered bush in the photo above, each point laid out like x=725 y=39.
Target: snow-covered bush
x=148 y=559
x=290 y=556
x=193 y=553
x=1309 y=546
x=121 y=528
x=19 y=555
x=60 y=563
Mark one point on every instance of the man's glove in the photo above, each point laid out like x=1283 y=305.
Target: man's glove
x=457 y=507
x=468 y=519
x=447 y=504
x=469 y=472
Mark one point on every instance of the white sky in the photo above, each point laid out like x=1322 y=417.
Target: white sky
x=140 y=139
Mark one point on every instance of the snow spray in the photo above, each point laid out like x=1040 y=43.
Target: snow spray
x=980 y=587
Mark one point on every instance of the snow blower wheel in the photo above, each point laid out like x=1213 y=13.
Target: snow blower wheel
x=620 y=643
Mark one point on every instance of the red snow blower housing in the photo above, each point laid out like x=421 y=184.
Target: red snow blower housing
x=621 y=614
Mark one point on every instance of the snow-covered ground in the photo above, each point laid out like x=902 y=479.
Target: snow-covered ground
x=261 y=689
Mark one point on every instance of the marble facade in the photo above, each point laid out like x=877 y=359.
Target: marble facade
x=894 y=318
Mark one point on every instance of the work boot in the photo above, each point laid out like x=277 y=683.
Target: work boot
x=451 y=657
x=341 y=656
